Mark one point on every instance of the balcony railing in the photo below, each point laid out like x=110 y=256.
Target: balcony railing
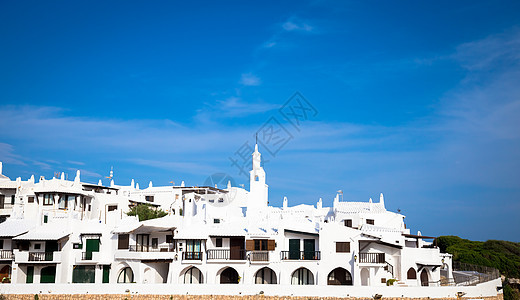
x=226 y=254
x=259 y=256
x=144 y=248
x=191 y=255
x=6 y=254
x=86 y=256
x=41 y=256
x=372 y=258
x=300 y=255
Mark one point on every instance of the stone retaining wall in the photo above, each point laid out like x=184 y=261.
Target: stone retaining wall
x=206 y=297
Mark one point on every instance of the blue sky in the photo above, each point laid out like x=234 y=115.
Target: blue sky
x=418 y=100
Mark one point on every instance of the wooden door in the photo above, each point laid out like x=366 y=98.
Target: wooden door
x=308 y=248
x=294 y=249
x=236 y=247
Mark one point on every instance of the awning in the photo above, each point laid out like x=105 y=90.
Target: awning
x=302 y=232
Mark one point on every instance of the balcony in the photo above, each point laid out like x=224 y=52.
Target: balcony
x=41 y=256
x=259 y=256
x=300 y=255
x=24 y=257
x=226 y=254
x=372 y=258
x=133 y=252
x=191 y=255
x=6 y=255
x=143 y=248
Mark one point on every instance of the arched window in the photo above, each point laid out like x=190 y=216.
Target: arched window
x=411 y=274
x=265 y=276
x=193 y=276
x=125 y=276
x=229 y=275
x=302 y=276
x=339 y=276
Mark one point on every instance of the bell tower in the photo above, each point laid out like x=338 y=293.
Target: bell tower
x=258 y=189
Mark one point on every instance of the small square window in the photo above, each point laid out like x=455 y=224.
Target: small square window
x=77 y=246
x=370 y=221
x=216 y=221
x=149 y=198
x=37 y=246
x=30 y=200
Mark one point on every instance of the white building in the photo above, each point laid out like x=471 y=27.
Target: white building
x=62 y=231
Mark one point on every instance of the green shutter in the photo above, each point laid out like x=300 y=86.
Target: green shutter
x=294 y=249
x=30 y=274
x=48 y=275
x=106 y=273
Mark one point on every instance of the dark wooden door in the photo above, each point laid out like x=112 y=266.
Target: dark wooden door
x=236 y=247
x=294 y=249
x=308 y=248
x=2 y=201
x=424 y=278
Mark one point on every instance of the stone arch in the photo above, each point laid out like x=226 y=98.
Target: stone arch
x=229 y=275
x=411 y=274
x=265 y=276
x=365 y=277
x=339 y=276
x=126 y=275
x=192 y=275
x=302 y=276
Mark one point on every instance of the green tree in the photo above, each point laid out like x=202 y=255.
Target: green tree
x=146 y=212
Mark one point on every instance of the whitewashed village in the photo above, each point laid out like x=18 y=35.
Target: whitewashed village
x=65 y=236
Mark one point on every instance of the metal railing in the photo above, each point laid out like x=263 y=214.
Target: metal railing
x=86 y=255
x=372 y=258
x=192 y=255
x=41 y=256
x=6 y=254
x=300 y=255
x=259 y=256
x=469 y=274
x=226 y=254
x=389 y=268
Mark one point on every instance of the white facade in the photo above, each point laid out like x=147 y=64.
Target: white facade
x=66 y=232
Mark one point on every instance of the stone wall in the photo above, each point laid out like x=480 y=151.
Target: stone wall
x=206 y=297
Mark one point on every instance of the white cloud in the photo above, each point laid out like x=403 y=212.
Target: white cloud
x=297 y=26
x=249 y=79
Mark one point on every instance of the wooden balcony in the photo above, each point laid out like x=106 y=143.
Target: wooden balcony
x=259 y=256
x=372 y=258
x=300 y=255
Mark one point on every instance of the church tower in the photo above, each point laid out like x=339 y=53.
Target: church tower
x=258 y=189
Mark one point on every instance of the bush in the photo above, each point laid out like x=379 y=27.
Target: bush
x=146 y=212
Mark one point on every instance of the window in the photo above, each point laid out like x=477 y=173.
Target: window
x=63 y=202
x=83 y=274
x=37 y=246
x=125 y=276
x=12 y=200
x=1 y=244
x=30 y=200
x=411 y=274
x=169 y=239
x=155 y=243
x=216 y=221
x=348 y=223
x=260 y=245
x=220 y=200
x=45 y=219
x=218 y=242
x=123 y=241
x=77 y=246
x=112 y=207
x=149 y=198
x=370 y=221
x=47 y=199
x=342 y=247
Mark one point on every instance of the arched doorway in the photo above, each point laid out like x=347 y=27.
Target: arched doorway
x=125 y=276
x=302 y=276
x=5 y=273
x=193 y=276
x=265 y=276
x=365 y=277
x=339 y=276
x=229 y=275
x=424 y=278
x=48 y=274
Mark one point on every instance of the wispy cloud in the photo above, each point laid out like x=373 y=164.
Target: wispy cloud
x=249 y=79
x=297 y=26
